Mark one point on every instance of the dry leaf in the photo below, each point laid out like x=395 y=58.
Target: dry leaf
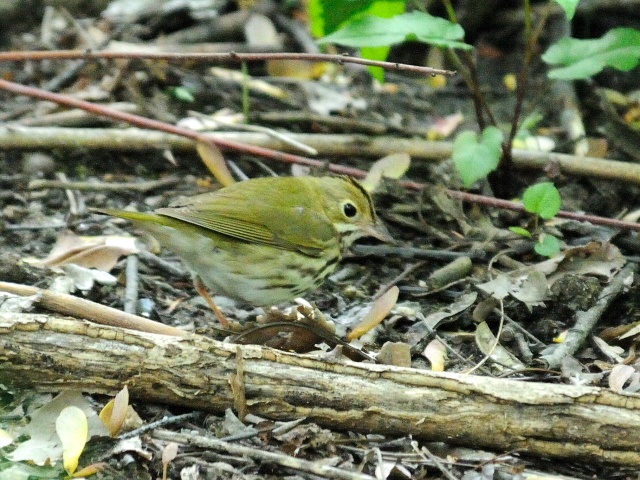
x=460 y=305
x=115 y=411
x=212 y=157
x=486 y=341
x=379 y=310
x=101 y=252
x=391 y=166
x=395 y=353
x=619 y=376
x=436 y=353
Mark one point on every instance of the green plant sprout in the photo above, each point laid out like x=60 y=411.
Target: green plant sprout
x=542 y=199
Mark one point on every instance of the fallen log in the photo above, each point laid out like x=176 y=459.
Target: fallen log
x=49 y=353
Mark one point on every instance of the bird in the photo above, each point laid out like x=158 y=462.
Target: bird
x=263 y=241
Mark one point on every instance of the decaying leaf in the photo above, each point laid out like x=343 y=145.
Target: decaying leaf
x=44 y=445
x=300 y=330
x=619 y=376
x=436 y=353
x=391 y=166
x=395 y=353
x=212 y=157
x=101 y=253
x=595 y=258
x=461 y=304
x=379 y=310
x=486 y=341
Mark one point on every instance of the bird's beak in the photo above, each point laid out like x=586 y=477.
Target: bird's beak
x=379 y=231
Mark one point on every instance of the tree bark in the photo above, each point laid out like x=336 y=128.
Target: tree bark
x=49 y=353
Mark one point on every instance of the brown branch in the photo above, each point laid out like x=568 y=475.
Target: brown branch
x=144 y=122
x=559 y=421
x=218 y=57
x=79 y=307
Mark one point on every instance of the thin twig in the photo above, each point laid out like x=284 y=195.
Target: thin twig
x=219 y=57
x=261 y=455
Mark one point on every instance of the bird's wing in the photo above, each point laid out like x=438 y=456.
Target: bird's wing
x=267 y=221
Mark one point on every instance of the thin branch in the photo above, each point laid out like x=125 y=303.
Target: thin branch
x=218 y=57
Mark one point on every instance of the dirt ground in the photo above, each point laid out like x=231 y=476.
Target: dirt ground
x=474 y=298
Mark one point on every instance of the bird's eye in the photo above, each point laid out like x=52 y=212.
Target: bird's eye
x=349 y=209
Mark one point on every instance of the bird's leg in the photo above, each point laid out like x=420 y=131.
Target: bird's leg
x=202 y=290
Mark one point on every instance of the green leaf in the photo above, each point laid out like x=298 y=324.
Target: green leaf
x=327 y=15
x=569 y=7
x=375 y=53
x=543 y=199
x=475 y=160
x=384 y=9
x=372 y=31
x=619 y=48
x=521 y=231
x=548 y=245
x=181 y=93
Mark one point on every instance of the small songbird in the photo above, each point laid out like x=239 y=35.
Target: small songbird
x=266 y=240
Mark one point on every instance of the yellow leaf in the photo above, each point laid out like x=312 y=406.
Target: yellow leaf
x=89 y=470
x=106 y=413
x=73 y=430
x=213 y=159
x=379 y=310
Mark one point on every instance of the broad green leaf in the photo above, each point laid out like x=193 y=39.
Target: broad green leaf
x=373 y=31
x=327 y=15
x=548 y=245
x=569 y=7
x=543 y=199
x=383 y=9
x=475 y=160
x=619 y=48
x=521 y=231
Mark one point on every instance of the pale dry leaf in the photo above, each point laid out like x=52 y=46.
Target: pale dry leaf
x=486 y=341
x=436 y=353
x=132 y=445
x=392 y=166
x=612 y=351
x=169 y=452
x=575 y=373
x=460 y=305
x=84 y=278
x=5 y=438
x=101 y=252
x=115 y=411
x=444 y=126
x=500 y=287
x=619 y=376
x=533 y=290
x=44 y=446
